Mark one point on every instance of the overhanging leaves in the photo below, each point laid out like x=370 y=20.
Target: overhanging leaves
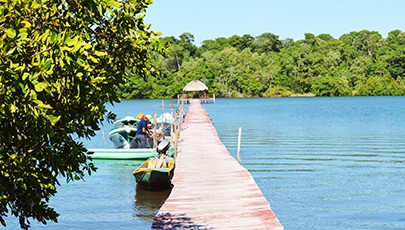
x=60 y=62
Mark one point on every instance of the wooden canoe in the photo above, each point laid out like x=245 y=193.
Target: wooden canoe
x=155 y=173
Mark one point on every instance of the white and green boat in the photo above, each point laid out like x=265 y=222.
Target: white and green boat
x=121 y=135
x=123 y=132
x=121 y=154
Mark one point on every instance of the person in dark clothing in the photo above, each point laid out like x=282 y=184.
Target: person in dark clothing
x=142 y=132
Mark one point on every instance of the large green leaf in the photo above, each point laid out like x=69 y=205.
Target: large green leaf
x=39 y=87
x=11 y=33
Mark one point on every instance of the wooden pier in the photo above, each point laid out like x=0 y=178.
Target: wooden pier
x=211 y=189
x=185 y=98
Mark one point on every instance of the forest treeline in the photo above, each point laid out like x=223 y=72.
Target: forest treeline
x=357 y=64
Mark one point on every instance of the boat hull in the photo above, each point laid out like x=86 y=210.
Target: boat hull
x=152 y=178
x=123 y=132
x=121 y=154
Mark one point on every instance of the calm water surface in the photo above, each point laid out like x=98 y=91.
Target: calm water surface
x=322 y=163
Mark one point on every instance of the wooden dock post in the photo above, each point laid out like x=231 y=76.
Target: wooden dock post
x=211 y=189
x=239 y=142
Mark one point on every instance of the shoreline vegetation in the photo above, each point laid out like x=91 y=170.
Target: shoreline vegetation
x=359 y=63
x=303 y=95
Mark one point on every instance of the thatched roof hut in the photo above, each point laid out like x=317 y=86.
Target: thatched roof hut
x=195 y=85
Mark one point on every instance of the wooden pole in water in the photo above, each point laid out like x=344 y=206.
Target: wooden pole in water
x=163 y=111
x=239 y=140
x=105 y=140
x=172 y=122
x=154 y=131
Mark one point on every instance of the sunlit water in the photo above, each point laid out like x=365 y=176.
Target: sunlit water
x=322 y=163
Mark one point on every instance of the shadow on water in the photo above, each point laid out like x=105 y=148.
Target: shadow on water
x=147 y=203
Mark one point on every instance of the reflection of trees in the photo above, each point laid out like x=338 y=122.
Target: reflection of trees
x=147 y=203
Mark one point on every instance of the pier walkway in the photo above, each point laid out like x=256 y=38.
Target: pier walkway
x=211 y=189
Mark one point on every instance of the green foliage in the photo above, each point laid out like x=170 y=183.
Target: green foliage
x=358 y=63
x=379 y=86
x=266 y=42
x=60 y=62
x=277 y=91
x=331 y=86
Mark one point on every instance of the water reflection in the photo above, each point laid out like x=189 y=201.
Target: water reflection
x=147 y=203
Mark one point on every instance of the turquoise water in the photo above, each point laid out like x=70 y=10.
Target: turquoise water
x=322 y=163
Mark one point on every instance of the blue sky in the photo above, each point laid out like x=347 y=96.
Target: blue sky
x=210 y=19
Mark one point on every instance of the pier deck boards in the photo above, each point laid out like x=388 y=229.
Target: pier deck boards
x=211 y=189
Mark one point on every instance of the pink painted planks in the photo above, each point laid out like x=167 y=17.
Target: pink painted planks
x=211 y=189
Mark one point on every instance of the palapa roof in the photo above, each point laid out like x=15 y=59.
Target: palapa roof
x=195 y=85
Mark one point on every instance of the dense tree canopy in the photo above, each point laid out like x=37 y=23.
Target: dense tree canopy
x=60 y=62
x=358 y=63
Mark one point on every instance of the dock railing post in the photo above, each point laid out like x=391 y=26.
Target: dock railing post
x=239 y=140
x=175 y=133
x=154 y=131
x=172 y=125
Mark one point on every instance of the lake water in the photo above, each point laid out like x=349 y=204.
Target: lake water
x=322 y=163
